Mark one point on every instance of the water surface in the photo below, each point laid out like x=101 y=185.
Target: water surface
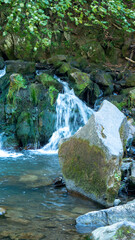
x=35 y=208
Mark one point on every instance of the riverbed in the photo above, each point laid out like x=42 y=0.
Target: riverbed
x=36 y=209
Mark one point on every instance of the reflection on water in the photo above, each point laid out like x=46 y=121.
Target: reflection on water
x=35 y=209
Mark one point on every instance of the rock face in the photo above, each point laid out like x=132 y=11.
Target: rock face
x=106 y=217
x=91 y=159
x=122 y=230
x=19 y=66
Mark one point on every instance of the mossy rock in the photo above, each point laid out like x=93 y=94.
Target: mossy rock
x=84 y=164
x=20 y=66
x=130 y=80
x=34 y=93
x=81 y=82
x=79 y=78
x=2 y=63
x=48 y=80
x=90 y=161
x=132 y=97
x=64 y=68
x=125 y=232
x=24 y=129
x=94 y=51
x=126 y=91
x=4 y=84
x=10 y=142
x=113 y=54
x=104 y=79
x=57 y=60
x=47 y=121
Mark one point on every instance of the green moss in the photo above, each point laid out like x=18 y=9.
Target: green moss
x=93 y=51
x=82 y=81
x=65 y=67
x=34 y=91
x=53 y=93
x=122 y=132
x=120 y=105
x=132 y=97
x=124 y=232
x=47 y=80
x=16 y=83
x=85 y=165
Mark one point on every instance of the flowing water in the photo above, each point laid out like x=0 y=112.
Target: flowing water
x=72 y=114
x=37 y=210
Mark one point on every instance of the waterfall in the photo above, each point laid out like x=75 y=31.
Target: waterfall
x=2 y=72
x=72 y=114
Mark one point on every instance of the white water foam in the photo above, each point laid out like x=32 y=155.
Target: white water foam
x=3 y=72
x=72 y=114
x=7 y=154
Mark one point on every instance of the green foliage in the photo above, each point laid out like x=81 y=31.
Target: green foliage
x=34 y=19
x=16 y=82
x=124 y=232
x=53 y=92
x=120 y=105
x=34 y=94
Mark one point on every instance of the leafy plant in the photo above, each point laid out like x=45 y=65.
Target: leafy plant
x=53 y=92
x=35 y=19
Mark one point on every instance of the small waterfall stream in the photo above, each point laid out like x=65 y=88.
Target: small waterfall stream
x=2 y=72
x=72 y=114
x=35 y=209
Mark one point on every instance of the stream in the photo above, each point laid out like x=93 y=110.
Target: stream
x=35 y=208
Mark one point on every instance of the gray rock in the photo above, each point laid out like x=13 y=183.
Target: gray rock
x=91 y=159
x=19 y=66
x=104 y=79
x=132 y=177
x=117 y=202
x=126 y=167
x=2 y=63
x=122 y=230
x=130 y=80
x=105 y=217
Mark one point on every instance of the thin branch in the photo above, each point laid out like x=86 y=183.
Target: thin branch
x=129 y=60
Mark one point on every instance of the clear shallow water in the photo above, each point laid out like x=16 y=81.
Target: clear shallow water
x=35 y=209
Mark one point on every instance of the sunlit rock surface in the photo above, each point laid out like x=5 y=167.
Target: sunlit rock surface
x=91 y=159
x=105 y=217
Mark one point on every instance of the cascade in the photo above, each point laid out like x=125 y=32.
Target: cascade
x=72 y=114
x=2 y=72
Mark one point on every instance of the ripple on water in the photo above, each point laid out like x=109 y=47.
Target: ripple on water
x=35 y=209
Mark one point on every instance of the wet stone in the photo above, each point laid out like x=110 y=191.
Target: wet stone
x=2 y=211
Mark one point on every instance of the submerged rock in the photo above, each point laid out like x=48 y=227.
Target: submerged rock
x=28 y=178
x=123 y=231
x=91 y=159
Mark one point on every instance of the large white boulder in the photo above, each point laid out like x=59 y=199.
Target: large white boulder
x=95 y=219
x=91 y=159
